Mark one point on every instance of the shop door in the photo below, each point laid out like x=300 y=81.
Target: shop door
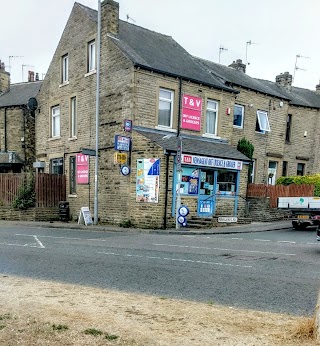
x=206 y=200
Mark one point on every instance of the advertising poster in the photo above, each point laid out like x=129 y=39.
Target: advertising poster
x=148 y=178
x=82 y=169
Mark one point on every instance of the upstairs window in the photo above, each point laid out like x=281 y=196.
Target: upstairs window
x=65 y=68
x=91 y=56
x=262 y=124
x=238 y=115
x=55 y=121
x=288 y=129
x=165 y=108
x=73 y=117
x=211 y=117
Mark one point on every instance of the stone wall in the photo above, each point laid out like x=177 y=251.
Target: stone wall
x=32 y=214
x=259 y=210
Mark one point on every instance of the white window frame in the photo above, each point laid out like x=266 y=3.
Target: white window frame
x=73 y=117
x=91 y=56
x=216 y=110
x=170 y=101
x=65 y=68
x=267 y=127
x=242 y=116
x=55 y=120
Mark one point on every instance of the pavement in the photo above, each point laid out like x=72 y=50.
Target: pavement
x=230 y=229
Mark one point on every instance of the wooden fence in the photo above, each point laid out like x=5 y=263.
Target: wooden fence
x=49 y=188
x=275 y=191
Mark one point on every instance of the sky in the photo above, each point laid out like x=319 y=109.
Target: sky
x=268 y=35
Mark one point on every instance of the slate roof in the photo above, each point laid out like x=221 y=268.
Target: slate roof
x=195 y=145
x=19 y=94
x=298 y=96
x=159 y=53
x=239 y=78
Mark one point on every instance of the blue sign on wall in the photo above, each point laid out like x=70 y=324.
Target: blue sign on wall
x=122 y=143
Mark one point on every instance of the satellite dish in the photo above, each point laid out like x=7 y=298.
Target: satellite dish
x=32 y=104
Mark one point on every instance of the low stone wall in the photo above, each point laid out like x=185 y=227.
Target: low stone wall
x=31 y=214
x=259 y=210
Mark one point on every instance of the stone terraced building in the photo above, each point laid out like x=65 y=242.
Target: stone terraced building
x=157 y=101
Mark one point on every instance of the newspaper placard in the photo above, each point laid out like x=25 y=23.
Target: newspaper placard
x=85 y=217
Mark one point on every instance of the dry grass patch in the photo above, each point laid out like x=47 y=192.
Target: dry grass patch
x=49 y=313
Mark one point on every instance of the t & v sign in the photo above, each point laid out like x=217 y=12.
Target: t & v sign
x=211 y=162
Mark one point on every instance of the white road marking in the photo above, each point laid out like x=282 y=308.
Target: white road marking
x=25 y=245
x=286 y=241
x=222 y=249
x=175 y=259
x=261 y=239
x=38 y=241
x=237 y=238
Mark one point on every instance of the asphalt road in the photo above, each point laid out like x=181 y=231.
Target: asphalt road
x=274 y=271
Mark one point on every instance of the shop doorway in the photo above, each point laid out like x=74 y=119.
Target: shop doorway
x=206 y=200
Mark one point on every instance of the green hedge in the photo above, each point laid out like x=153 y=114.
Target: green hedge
x=299 y=180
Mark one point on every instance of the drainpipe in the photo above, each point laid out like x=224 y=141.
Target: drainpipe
x=5 y=130
x=166 y=192
x=179 y=111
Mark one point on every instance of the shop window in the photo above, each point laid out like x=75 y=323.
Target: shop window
x=300 y=168
x=165 y=112
x=56 y=166
x=211 y=117
x=189 y=181
x=238 y=115
x=262 y=123
x=207 y=182
x=72 y=175
x=226 y=183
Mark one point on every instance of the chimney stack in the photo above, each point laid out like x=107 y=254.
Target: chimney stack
x=318 y=88
x=110 y=17
x=284 y=80
x=4 y=79
x=30 y=76
x=238 y=65
x=37 y=76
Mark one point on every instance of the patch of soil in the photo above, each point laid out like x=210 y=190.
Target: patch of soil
x=38 y=312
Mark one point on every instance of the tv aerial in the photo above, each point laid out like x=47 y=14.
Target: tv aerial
x=221 y=49
x=298 y=56
x=129 y=18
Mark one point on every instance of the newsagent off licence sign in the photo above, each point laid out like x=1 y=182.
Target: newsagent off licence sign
x=211 y=162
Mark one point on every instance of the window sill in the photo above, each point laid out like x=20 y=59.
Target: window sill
x=238 y=127
x=54 y=138
x=164 y=128
x=90 y=73
x=210 y=135
x=72 y=138
x=73 y=195
x=64 y=84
